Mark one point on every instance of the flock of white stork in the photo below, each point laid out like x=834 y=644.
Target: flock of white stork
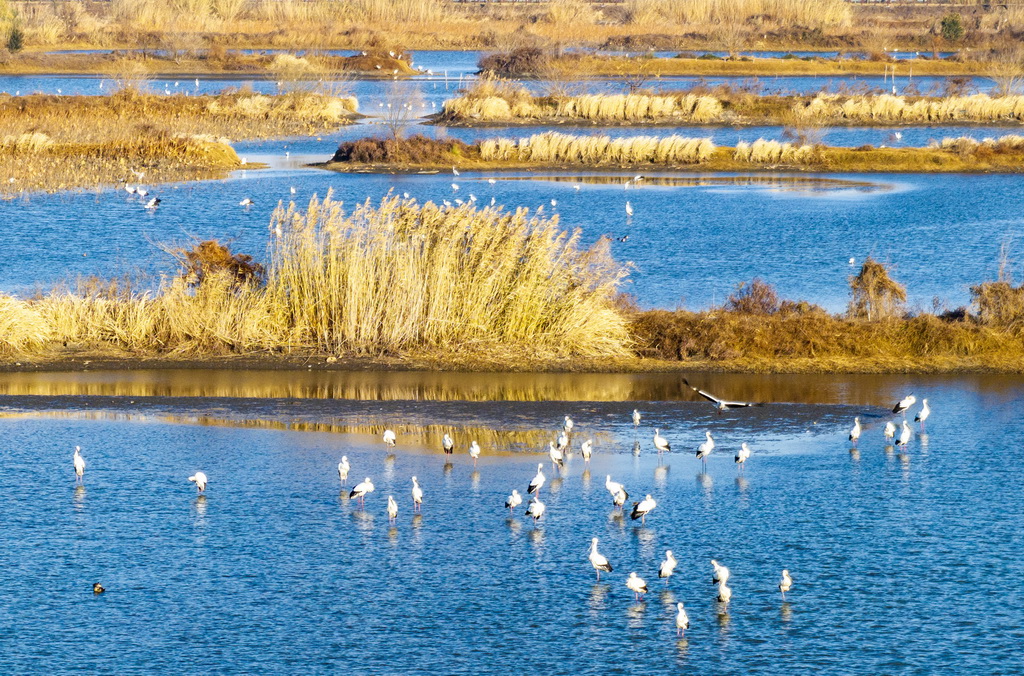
x=557 y=452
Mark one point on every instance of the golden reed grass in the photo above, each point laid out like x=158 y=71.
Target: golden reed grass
x=389 y=278
x=886 y=108
x=61 y=142
x=553 y=147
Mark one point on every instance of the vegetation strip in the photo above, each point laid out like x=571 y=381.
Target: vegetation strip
x=555 y=150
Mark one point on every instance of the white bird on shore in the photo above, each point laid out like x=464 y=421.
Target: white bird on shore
x=618 y=491
x=537 y=481
x=567 y=425
x=447 y=445
x=668 y=566
x=785 y=584
x=637 y=585
x=890 y=430
x=742 y=454
x=682 y=621
x=247 y=202
x=661 y=443
x=587 y=449
x=598 y=560
x=855 y=432
x=636 y=418
x=491 y=181
x=704 y=450
x=390 y=437
x=79 y=462
x=557 y=457
x=455 y=172
x=643 y=508
x=392 y=509
x=720 y=574
x=200 y=480
x=923 y=414
x=905 y=403
x=474 y=451
x=343 y=468
x=904 y=435
x=362 y=489
x=417 y=495
x=629 y=208
x=513 y=501
x=535 y=509
x=724 y=593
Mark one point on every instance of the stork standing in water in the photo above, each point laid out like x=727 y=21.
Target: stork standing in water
x=889 y=431
x=742 y=455
x=785 y=584
x=587 y=449
x=855 y=432
x=618 y=491
x=905 y=403
x=661 y=443
x=79 y=462
x=904 y=435
x=704 y=450
x=474 y=452
x=537 y=481
x=343 y=468
x=557 y=457
x=682 y=621
x=447 y=445
x=724 y=593
x=417 y=496
x=563 y=441
x=361 y=490
x=720 y=574
x=535 y=509
x=392 y=509
x=668 y=566
x=643 y=508
x=567 y=425
x=513 y=501
x=598 y=560
x=199 y=479
x=923 y=414
x=390 y=437
x=636 y=418
x=637 y=585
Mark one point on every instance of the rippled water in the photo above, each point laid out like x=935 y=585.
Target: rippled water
x=910 y=556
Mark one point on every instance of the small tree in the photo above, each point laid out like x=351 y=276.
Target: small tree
x=210 y=258
x=756 y=298
x=952 y=27
x=874 y=294
x=15 y=39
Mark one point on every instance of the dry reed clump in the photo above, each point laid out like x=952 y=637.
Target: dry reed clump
x=774 y=152
x=784 y=13
x=556 y=147
x=874 y=294
x=518 y=104
x=400 y=275
x=968 y=146
x=889 y=108
x=392 y=277
x=306 y=106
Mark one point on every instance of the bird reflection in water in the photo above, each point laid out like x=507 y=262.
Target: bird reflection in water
x=922 y=439
x=586 y=477
x=636 y=615
x=417 y=521
x=555 y=484
x=661 y=475
x=786 y=611
x=682 y=649
x=389 y=465
x=617 y=518
x=447 y=469
x=513 y=525
x=636 y=448
x=200 y=505
x=706 y=482
x=363 y=519
x=79 y=496
x=645 y=538
x=537 y=536
x=598 y=593
x=667 y=598
x=855 y=454
x=474 y=479
x=393 y=535
x=723 y=617
x=888 y=451
x=742 y=484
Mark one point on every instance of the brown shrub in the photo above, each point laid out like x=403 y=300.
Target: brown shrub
x=211 y=258
x=522 y=61
x=413 y=150
x=999 y=303
x=754 y=298
x=874 y=294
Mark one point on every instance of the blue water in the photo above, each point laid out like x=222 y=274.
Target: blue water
x=911 y=554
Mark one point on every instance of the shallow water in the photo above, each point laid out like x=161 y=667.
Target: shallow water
x=903 y=553
x=689 y=243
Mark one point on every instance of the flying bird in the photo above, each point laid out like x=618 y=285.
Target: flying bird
x=721 y=404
